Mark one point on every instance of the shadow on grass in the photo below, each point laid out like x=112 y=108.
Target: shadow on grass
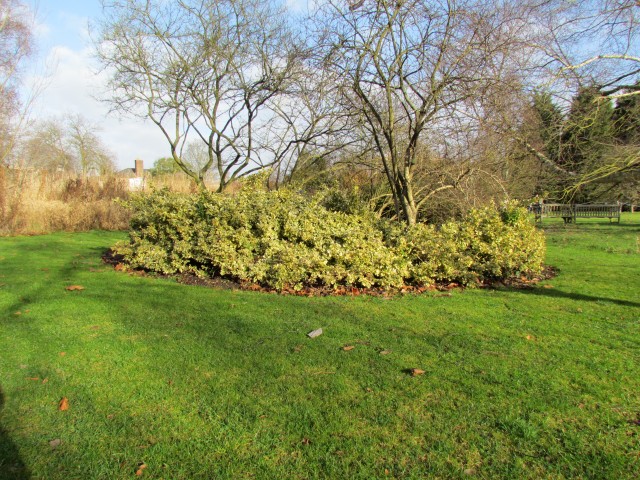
x=552 y=293
x=11 y=465
x=598 y=226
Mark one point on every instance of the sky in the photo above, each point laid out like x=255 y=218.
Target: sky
x=72 y=84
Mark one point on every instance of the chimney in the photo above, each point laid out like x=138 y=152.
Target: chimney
x=139 y=169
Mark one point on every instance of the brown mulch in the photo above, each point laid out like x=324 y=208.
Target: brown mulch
x=523 y=282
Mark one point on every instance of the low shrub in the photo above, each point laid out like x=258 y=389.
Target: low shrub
x=489 y=243
x=278 y=239
x=283 y=240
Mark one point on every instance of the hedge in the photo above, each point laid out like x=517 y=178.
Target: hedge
x=280 y=239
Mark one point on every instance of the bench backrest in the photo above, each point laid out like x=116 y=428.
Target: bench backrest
x=564 y=210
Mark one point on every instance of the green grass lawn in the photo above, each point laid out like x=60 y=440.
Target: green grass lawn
x=202 y=383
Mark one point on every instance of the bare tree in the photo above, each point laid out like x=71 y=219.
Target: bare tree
x=90 y=153
x=201 y=70
x=45 y=148
x=70 y=145
x=16 y=45
x=412 y=70
x=310 y=125
x=592 y=42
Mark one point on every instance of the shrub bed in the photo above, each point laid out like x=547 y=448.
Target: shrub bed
x=283 y=240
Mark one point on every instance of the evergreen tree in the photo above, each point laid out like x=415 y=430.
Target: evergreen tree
x=551 y=121
x=580 y=143
x=588 y=132
x=626 y=117
x=165 y=166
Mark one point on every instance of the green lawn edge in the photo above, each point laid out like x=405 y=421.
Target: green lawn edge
x=205 y=383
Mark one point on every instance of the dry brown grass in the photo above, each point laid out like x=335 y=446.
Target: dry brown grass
x=33 y=202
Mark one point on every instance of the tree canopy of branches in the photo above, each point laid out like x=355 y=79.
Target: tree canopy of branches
x=426 y=94
x=70 y=145
x=16 y=45
x=204 y=70
x=165 y=166
x=593 y=144
x=593 y=42
x=412 y=70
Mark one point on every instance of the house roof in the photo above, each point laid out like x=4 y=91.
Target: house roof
x=131 y=172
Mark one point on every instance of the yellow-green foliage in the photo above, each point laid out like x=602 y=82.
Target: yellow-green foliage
x=284 y=240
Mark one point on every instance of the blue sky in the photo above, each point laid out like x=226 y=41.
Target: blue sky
x=71 y=84
x=65 y=21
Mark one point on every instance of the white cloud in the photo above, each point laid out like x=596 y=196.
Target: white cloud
x=75 y=23
x=296 y=5
x=74 y=87
x=41 y=30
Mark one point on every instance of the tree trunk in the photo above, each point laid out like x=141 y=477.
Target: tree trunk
x=3 y=194
x=409 y=207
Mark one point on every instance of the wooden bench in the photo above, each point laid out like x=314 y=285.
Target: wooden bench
x=571 y=212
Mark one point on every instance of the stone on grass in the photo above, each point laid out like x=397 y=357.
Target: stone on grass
x=315 y=333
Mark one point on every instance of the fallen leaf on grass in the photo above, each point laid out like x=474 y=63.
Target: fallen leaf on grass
x=141 y=467
x=35 y=379
x=385 y=352
x=416 y=371
x=18 y=313
x=55 y=443
x=547 y=286
x=347 y=348
x=62 y=354
x=72 y=288
x=530 y=337
x=45 y=380
x=64 y=404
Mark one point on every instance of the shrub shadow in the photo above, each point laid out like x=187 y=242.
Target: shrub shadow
x=553 y=293
x=11 y=464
